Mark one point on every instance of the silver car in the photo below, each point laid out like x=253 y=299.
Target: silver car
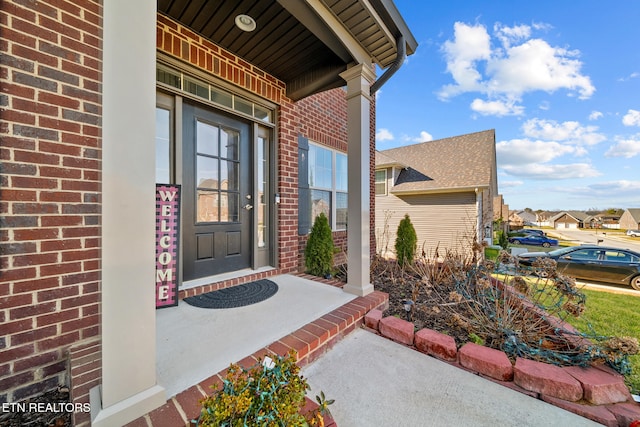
x=633 y=233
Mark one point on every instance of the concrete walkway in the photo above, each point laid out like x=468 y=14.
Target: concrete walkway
x=377 y=382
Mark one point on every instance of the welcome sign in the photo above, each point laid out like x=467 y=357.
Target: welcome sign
x=167 y=244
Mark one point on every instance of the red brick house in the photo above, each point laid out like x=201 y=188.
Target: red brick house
x=101 y=100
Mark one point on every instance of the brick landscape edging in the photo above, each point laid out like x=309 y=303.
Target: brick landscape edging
x=597 y=392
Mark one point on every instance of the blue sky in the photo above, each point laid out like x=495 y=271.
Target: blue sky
x=559 y=81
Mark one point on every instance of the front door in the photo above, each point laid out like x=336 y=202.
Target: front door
x=216 y=193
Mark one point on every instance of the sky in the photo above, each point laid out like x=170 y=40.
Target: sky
x=559 y=81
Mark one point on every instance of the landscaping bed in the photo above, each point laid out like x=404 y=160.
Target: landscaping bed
x=460 y=298
x=45 y=410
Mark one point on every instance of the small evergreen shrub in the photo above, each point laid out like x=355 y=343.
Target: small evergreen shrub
x=318 y=254
x=406 y=241
x=503 y=240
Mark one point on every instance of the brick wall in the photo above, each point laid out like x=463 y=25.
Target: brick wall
x=323 y=119
x=50 y=109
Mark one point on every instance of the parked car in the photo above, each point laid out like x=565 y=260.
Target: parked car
x=599 y=263
x=527 y=232
x=534 y=239
x=633 y=233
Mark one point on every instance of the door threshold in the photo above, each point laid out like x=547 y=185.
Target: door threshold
x=222 y=277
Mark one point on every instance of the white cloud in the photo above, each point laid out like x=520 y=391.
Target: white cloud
x=535 y=65
x=510 y=184
x=627 y=148
x=633 y=75
x=520 y=152
x=595 y=115
x=621 y=186
x=508 y=35
x=620 y=193
x=496 y=108
x=632 y=118
x=520 y=64
x=553 y=172
x=424 y=137
x=569 y=132
x=470 y=44
x=383 y=135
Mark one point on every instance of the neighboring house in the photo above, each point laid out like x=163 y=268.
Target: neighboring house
x=101 y=100
x=501 y=213
x=604 y=220
x=544 y=218
x=447 y=187
x=522 y=218
x=630 y=219
x=570 y=219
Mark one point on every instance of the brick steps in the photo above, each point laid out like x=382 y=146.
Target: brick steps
x=310 y=342
x=596 y=393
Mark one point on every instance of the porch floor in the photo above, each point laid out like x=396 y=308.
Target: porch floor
x=196 y=346
x=194 y=343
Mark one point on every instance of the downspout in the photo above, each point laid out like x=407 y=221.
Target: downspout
x=395 y=66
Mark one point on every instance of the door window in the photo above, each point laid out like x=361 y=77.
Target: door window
x=217 y=173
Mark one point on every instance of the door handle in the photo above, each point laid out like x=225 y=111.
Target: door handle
x=248 y=207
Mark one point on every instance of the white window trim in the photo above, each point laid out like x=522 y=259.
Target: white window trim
x=333 y=190
x=386 y=182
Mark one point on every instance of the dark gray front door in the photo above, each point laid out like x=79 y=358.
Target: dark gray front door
x=216 y=193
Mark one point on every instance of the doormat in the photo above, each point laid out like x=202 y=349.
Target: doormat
x=235 y=296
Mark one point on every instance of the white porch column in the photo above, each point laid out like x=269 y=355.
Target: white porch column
x=359 y=79
x=128 y=388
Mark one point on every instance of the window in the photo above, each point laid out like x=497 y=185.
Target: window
x=164 y=139
x=327 y=174
x=178 y=80
x=381 y=182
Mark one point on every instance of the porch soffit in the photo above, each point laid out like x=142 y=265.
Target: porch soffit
x=306 y=44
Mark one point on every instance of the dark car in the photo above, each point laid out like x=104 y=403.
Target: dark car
x=599 y=263
x=533 y=239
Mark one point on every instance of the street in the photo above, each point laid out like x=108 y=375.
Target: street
x=612 y=238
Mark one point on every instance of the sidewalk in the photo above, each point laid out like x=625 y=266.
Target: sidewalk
x=376 y=382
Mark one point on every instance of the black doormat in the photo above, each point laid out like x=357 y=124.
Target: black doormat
x=235 y=296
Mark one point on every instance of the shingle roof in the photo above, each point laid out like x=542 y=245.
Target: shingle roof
x=577 y=215
x=384 y=161
x=635 y=213
x=458 y=162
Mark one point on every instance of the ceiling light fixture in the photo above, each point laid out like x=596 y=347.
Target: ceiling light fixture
x=245 y=23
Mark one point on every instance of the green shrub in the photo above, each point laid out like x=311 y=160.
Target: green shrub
x=318 y=254
x=503 y=240
x=406 y=241
x=268 y=394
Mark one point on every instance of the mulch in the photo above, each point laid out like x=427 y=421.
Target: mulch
x=31 y=418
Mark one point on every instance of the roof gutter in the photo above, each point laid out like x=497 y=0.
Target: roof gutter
x=395 y=66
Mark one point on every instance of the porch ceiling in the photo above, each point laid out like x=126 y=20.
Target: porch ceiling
x=307 y=43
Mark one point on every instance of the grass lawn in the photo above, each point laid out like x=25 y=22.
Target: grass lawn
x=613 y=315
x=606 y=314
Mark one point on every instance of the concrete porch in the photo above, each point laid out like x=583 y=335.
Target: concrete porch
x=195 y=345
